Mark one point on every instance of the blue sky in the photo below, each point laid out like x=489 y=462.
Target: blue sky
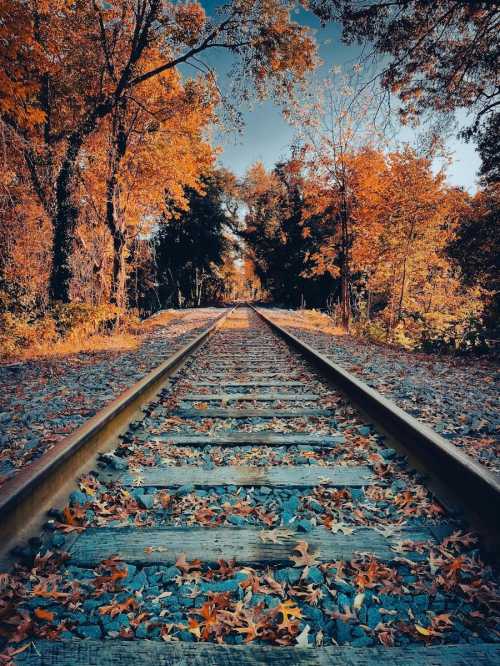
x=266 y=135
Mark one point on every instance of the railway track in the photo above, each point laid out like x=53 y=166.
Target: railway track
x=250 y=513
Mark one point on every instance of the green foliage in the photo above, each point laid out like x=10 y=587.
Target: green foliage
x=452 y=334
x=430 y=333
x=489 y=150
x=476 y=248
x=191 y=247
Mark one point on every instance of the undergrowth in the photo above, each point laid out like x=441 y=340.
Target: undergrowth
x=432 y=332
x=66 y=329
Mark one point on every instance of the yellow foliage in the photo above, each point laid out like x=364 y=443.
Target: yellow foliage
x=68 y=329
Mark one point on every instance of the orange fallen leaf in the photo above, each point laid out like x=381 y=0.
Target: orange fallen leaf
x=43 y=614
x=288 y=609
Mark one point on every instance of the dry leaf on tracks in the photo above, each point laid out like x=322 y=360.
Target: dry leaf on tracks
x=305 y=558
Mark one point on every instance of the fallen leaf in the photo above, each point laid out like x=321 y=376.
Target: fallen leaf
x=194 y=627
x=43 y=614
x=342 y=528
x=155 y=549
x=426 y=632
x=184 y=565
x=305 y=558
x=117 y=608
x=303 y=638
x=274 y=536
x=358 y=601
x=288 y=609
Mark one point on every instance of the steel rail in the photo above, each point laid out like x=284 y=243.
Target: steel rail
x=25 y=498
x=472 y=486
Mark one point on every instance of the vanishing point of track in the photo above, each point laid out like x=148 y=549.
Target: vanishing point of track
x=249 y=448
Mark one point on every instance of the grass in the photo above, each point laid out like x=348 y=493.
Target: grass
x=29 y=342
x=117 y=343
x=310 y=320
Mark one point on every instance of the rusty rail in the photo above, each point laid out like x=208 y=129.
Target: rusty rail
x=469 y=484
x=25 y=498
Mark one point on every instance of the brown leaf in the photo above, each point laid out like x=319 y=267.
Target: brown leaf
x=184 y=565
x=305 y=558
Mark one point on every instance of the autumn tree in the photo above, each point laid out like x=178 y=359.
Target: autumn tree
x=414 y=224
x=274 y=236
x=153 y=152
x=25 y=248
x=436 y=56
x=241 y=278
x=330 y=129
x=476 y=247
x=360 y=194
x=57 y=101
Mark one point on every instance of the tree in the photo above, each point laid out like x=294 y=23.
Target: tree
x=360 y=194
x=412 y=232
x=241 y=280
x=442 y=56
x=191 y=246
x=152 y=153
x=402 y=218
x=489 y=151
x=476 y=248
x=66 y=96
x=274 y=236
x=330 y=130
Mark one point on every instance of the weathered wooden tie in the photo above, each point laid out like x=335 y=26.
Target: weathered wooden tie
x=256 y=382
x=264 y=438
x=162 y=545
x=159 y=653
x=231 y=413
x=247 y=376
x=282 y=476
x=263 y=397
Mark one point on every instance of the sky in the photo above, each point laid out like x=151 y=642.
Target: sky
x=266 y=136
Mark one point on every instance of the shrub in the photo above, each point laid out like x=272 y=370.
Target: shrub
x=19 y=332
x=76 y=325
x=449 y=334
x=81 y=320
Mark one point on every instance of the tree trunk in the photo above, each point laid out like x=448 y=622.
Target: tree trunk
x=64 y=223
x=391 y=322
x=119 y=279
x=345 y=277
x=114 y=216
x=402 y=292
x=118 y=232
x=65 y=217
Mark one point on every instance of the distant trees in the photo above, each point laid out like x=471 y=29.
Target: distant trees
x=192 y=245
x=488 y=144
x=274 y=235
x=403 y=219
x=476 y=249
x=107 y=165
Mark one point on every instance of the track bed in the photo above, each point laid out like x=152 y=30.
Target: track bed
x=254 y=507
